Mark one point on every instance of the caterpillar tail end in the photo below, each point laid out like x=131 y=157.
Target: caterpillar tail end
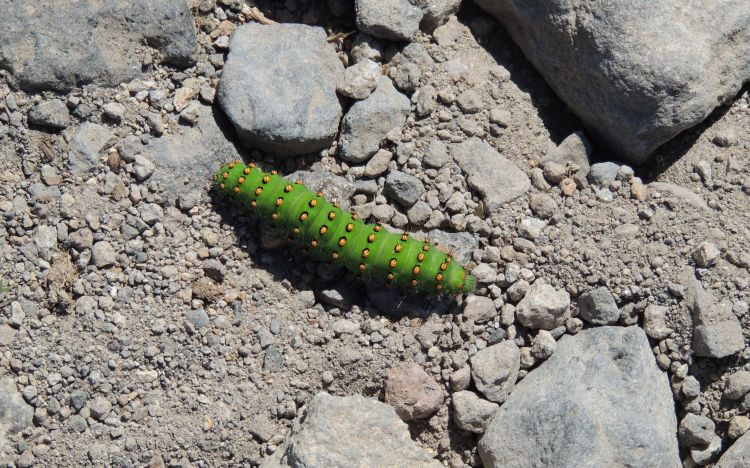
x=469 y=284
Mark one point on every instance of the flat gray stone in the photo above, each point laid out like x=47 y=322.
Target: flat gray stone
x=395 y=20
x=52 y=113
x=87 y=146
x=497 y=179
x=599 y=58
x=717 y=332
x=340 y=431
x=600 y=400
x=195 y=154
x=278 y=87
x=77 y=42
x=368 y=121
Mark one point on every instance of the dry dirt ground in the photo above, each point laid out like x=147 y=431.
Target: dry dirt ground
x=196 y=341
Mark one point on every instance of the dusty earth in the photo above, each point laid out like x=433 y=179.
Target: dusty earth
x=146 y=321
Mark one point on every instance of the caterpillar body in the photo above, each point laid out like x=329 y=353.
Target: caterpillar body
x=338 y=236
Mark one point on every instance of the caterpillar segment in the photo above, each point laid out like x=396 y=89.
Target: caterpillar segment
x=337 y=236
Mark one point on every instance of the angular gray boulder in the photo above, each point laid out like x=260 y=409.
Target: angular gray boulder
x=349 y=431
x=278 y=87
x=600 y=400
x=637 y=72
x=75 y=42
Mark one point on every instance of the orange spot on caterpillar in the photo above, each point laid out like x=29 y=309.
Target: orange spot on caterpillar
x=371 y=238
x=448 y=259
x=398 y=248
x=216 y=177
x=237 y=160
x=231 y=165
x=298 y=181
x=320 y=194
x=416 y=270
x=420 y=257
x=365 y=253
x=404 y=237
x=266 y=179
x=236 y=189
x=335 y=255
x=258 y=191
x=241 y=180
x=246 y=171
x=303 y=216
x=349 y=227
x=314 y=243
x=413 y=282
x=331 y=215
x=443 y=266
x=439 y=287
x=274 y=216
x=288 y=188
x=355 y=217
x=390 y=276
x=313 y=203
x=274 y=172
x=253 y=203
x=295 y=231
x=323 y=230
x=222 y=185
x=336 y=204
x=362 y=267
x=426 y=247
x=225 y=175
x=439 y=277
x=392 y=263
x=251 y=165
x=279 y=201
x=342 y=241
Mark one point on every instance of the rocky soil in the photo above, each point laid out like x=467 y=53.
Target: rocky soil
x=146 y=321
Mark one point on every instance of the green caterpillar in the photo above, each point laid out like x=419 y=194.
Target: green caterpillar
x=340 y=237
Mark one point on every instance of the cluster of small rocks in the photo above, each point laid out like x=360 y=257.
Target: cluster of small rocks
x=146 y=323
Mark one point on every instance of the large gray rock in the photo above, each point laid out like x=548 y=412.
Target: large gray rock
x=737 y=455
x=600 y=58
x=76 y=42
x=497 y=179
x=369 y=121
x=278 y=87
x=349 y=431
x=600 y=400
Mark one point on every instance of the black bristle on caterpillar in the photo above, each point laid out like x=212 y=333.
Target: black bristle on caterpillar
x=338 y=236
